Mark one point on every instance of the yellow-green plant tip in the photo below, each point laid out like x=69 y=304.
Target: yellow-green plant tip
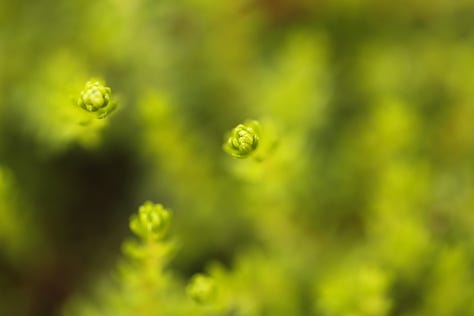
x=96 y=97
x=243 y=140
x=201 y=288
x=151 y=222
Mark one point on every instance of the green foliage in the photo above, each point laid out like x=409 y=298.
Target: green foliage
x=96 y=97
x=361 y=290
x=243 y=140
x=10 y=226
x=17 y=230
x=20 y=242
x=351 y=195
x=141 y=284
x=151 y=222
x=201 y=288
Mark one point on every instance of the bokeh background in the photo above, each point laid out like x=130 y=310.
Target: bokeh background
x=365 y=205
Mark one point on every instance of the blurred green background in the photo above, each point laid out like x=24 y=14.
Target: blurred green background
x=364 y=207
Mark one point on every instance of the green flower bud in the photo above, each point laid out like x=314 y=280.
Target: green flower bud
x=96 y=97
x=201 y=288
x=243 y=140
x=151 y=222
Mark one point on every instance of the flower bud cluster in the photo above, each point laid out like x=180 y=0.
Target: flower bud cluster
x=151 y=222
x=96 y=97
x=243 y=140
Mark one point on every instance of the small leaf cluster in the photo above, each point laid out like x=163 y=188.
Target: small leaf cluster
x=96 y=98
x=243 y=140
x=151 y=222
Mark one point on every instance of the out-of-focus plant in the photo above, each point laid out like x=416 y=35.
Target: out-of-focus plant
x=17 y=232
x=20 y=242
x=201 y=288
x=141 y=285
x=361 y=290
x=11 y=225
x=56 y=112
x=353 y=196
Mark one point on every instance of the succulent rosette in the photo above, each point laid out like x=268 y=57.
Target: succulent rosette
x=243 y=140
x=151 y=222
x=96 y=98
